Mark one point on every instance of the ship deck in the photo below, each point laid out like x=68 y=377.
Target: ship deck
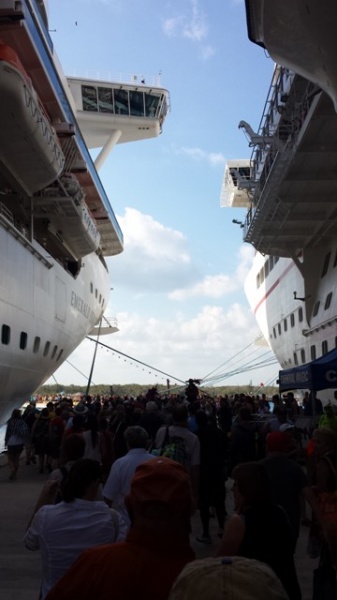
x=294 y=200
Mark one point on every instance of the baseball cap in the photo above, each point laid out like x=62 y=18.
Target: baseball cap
x=161 y=479
x=234 y=578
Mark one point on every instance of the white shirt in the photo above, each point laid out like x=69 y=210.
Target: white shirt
x=191 y=440
x=62 y=531
x=118 y=484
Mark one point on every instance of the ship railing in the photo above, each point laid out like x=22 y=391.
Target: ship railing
x=146 y=81
x=288 y=103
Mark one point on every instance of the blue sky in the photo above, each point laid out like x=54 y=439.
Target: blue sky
x=178 y=286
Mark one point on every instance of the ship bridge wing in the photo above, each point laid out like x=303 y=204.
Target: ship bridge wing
x=23 y=30
x=293 y=184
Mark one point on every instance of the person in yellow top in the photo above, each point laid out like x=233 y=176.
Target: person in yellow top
x=328 y=419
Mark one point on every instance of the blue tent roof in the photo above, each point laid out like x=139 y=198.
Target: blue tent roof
x=320 y=374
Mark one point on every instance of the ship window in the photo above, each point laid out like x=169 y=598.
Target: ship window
x=271 y=263
x=328 y=301
x=285 y=325
x=53 y=352
x=105 y=100
x=302 y=356
x=36 y=345
x=5 y=334
x=324 y=347
x=89 y=98
x=262 y=275
x=23 y=340
x=326 y=264
x=91 y=288
x=300 y=315
x=103 y=302
x=274 y=332
x=121 y=102
x=316 y=309
x=151 y=105
x=313 y=352
x=96 y=293
x=295 y=359
x=266 y=269
x=258 y=280
x=100 y=298
x=46 y=349
x=137 y=103
x=279 y=328
x=292 y=320
x=59 y=354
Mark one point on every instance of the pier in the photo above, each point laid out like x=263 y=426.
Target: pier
x=20 y=568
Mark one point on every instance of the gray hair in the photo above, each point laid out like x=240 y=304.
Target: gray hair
x=136 y=437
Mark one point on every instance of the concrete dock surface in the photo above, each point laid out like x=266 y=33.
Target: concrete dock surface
x=20 y=568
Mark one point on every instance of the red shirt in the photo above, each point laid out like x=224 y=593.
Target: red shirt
x=144 y=566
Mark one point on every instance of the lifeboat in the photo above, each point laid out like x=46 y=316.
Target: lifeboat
x=30 y=155
x=68 y=216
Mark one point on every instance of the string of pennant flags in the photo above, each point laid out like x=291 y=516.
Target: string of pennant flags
x=136 y=362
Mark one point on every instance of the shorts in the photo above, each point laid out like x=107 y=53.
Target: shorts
x=15 y=449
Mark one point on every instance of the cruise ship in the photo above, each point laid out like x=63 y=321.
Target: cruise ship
x=288 y=185
x=56 y=223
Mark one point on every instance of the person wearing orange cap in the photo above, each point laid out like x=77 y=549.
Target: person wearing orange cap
x=157 y=546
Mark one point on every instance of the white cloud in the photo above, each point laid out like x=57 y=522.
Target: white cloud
x=219 y=285
x=155 y=257
x=182 y=347
x=213 y=158
x=212 y=286
x=192 y=25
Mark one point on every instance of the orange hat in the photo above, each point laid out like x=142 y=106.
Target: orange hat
x=162 y=480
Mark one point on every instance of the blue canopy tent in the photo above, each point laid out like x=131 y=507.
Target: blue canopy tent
x=320 y=374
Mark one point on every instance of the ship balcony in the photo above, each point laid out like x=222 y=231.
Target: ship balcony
x=135 y=110
x=294 y=199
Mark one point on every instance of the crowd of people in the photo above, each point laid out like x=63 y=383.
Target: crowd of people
x=126 y=475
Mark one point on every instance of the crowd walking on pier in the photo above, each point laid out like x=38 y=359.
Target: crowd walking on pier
x=126 y=475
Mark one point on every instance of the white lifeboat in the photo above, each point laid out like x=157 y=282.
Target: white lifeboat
x=69 y=217
x=30 y=155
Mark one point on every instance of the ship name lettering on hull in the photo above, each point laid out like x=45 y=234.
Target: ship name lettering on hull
x=83 y=307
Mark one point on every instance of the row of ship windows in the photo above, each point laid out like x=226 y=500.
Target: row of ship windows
x=325 y=350
x=327 y=304
x=53 y=353
x=266 y=269
x=121 y=102
x=97 y=296
x=272 y=260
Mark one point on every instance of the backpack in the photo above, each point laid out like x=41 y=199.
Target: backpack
x=173 y=447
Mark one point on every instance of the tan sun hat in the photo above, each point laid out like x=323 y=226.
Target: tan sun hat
x=234 y=578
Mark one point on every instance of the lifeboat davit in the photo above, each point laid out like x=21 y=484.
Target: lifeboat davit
x=30 y=154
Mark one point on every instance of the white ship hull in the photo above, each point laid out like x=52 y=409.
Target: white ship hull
x=46 y=308
x=293 y=335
